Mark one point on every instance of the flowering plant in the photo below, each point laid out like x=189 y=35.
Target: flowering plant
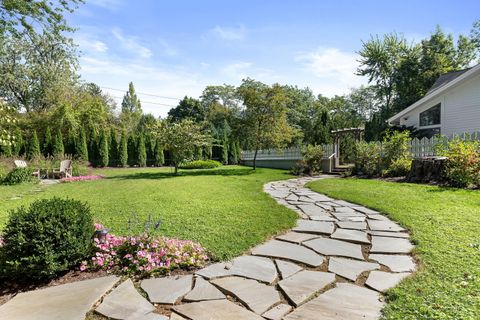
x=144 y=255
x=82 y=178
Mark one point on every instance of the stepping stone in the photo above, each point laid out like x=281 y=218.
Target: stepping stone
x=124 y=302
x=331 y=247
x=306 y=199
x=203 y=290
x=350 y=269
x=287 y=269
x=313 y=210
x=289 y=251
x=292 y=197
x=345 y=302
x=278 y=312
x=378 y=217
x=296 y=237
x=396 y=263
x=216 y=270
x=351 y=235
x=176 y=316
x=301 y=286
x=382 y=281
x=353 y=219
x=317 y=227
x=323 y=218
x=325 y=206
x=278 y=194
x=390 y=234
x=376 y=225
x=167 y=290
x=215 y=310
x=68 y=301
x=256 y=296
x=366 y=211
x=345 y=203
x=352 y=225
x=390 y=245
x=346 y=210
x=150 y=316
x=346 y=216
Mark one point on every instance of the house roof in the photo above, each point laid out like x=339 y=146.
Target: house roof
x=443 y=83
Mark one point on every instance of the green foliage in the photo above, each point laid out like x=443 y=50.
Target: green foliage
x=159 y=157
x=367 y=158
x=6 y=150
x=463 y=161
x=58 y=148
x=398 y=168
x=81 y=146
x=299 y=168
x=201 y=164
x=79 y=168
x=113 y=149
x=34 y=146
x=19 y=143
x=132 y=150
x=103 y=149
x=48 y=238
x=312 y=159
x=123 y=150
x=233 y=153
x=19 y=175
x=224 y=151
x=131 y=109
x=142 y=151
x=188 y=108
x=48 y=143
x=396 y=146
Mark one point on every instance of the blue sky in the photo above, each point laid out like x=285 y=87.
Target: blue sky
x=175 y=48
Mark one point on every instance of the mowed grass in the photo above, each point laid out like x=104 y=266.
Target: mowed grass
x=224 y=209
x=445 y=226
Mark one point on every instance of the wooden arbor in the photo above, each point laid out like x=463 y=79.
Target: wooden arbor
x=337 y=136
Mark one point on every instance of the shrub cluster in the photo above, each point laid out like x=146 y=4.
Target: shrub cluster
x=311 y=162
x=47 y=238
x=201 y=164
x=367 y=158
x=19 y=175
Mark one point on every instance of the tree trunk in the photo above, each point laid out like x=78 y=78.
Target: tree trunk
x=255 y=160
x=176 y=168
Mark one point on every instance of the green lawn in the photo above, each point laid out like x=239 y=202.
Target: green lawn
x=224 y=209
x=445 y=225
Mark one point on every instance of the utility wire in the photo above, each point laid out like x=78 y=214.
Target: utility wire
x=143 y=94
x=149 y=102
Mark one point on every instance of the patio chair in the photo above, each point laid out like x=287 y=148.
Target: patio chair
x=23 y=164
x=65 y=169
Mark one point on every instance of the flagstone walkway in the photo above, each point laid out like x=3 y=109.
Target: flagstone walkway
x=334 y=264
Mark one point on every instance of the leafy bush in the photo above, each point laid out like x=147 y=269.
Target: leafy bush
x=312 y=157
x=46 y=239
x=201 y=164
x=463 y=161
x=399 y=168
x=19 y=175
x=396 y=147
x=367 y=158
x=79 y=168
x=299 y=168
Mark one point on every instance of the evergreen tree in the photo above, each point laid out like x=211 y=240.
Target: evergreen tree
x=232 y=153
x=131 y=109
x=198 y=153
x=103 y=149
x=113 y=152
x=142 y=152
x=48 y=143
x=93 y=147
x=19 y=145
x=81 y=147
x=58 y=148
x=224 y=150
x=34 y=146
x=208 y=152
x=238 y=150
x=159 y=157
x=150 y=146
x=70 y=143
x=123 y=150
x=132 y=150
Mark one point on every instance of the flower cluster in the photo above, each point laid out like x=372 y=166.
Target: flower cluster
x=2 y=242
x=144 y=255
x=81 y=178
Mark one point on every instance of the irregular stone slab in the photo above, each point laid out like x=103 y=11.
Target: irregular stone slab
x=382 y=281
x=352 y=225
x=167 y=290
x=287 y=269
x=390 y=245
x=345 y=203
x=296 y=237
x=216 y=270
x=323 y=218
x=319 y=197
x=376 y=225
x=317 y=227
x=149 y=316
x=350 y=269
x=346 y=210
x=378 y=217
x=124 y=302
x=256 y=296
x=353 y=219
x=325 y=206
x=306 y=199
x=292 y=197
x=68 y=301
x=313 y=210
x=289 y=251
x=215 y=310
x=345 y=302
x=176 y=316
x=366 y=211
x=331 y=247
x=351 y=235
x=346 y=215
x=396 y=263
x=301 y=286
x=203 y=290
x=277 y=313
x=390 y=234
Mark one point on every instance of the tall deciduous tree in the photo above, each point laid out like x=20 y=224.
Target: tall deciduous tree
x=188 y=108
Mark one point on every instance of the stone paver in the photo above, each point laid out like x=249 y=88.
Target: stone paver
x=390 y=245
x=357 y=236
x=313 y=210
x=256 y=296
x=350 y=269
x=277 y=312
x=396 y=263
x=345 y=302
x=296 y=237
x=176 y=316
x=69 y=301
x=332 y=247
x=304 y=284
x=382 y=281
x=289 y=251
x=389 y=234
x=376 y=225
x=215 y=310
x=364 y=210
x=203 y=290
x=167 y=290
x=124 y=302
x=352 y=225
x=287 y=269
x=150 y=316
x=316 y=227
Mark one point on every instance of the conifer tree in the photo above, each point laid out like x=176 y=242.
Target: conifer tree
x=198 y=153
x=159 y=157
x=34 y=146
x=123 y=150
x=70 y=143
x=132 y=150
x=93 y=147
x=142 y=152
x=58 y=148
x=113 y=151
x=6 y=150
x=103 y=149
x=81 y=146
x=48 y=143
x=19 y=143
x=224 y=151
x=232 y=153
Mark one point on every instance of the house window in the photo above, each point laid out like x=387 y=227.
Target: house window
x=430 y=117
x=426 y=133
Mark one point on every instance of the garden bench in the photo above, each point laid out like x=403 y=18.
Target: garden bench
x=23 y=164
x=65 y=169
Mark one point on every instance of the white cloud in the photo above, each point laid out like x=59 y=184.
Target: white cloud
x=87 y=43
x=131 y=44
x=229 y=33
x=107 y=4
x=236 y=70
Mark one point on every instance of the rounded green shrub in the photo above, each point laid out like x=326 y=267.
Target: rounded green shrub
x=47 y=238
x=399 y=168
x=19 y=175
x=201 y=164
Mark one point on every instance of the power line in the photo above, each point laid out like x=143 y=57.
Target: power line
x=143 y=94
x=150 y=102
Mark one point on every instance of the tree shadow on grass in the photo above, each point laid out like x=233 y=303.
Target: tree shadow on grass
x=184 y=173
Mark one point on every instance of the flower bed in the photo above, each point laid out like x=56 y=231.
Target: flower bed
x=144 y=255
x=82 y=178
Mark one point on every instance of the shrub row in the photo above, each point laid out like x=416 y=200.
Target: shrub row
x=201 y=164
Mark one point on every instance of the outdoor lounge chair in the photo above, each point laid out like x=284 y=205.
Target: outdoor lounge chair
x=65 y=170
x=23 y=164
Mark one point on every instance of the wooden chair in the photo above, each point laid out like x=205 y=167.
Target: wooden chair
x=65 y=169
x=23 y=164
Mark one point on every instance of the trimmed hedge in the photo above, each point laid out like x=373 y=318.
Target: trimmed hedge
x=201 y=164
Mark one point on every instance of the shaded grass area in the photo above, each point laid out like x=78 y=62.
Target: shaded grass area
x=445 y=226
x=224 y=209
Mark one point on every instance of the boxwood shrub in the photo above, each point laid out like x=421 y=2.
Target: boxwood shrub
x=19 y=175
x=47 y=238
x=201 y=164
